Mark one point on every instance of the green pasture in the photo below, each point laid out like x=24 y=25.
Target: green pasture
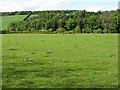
x=6 y=20
x=59 y=61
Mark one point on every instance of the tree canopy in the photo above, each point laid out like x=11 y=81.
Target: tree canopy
x=75 y=21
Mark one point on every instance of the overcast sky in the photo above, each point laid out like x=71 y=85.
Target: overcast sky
x=39 y=5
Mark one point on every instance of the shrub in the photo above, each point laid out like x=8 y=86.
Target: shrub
x=97 y=31
x=83 y=31
x=61 y=30
x=69 y=32
x=50 y=30
x=77 y=29
x=3 y=31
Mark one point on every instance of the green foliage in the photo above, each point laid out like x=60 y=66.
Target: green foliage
x=54 y=24
x=61 y=30
x=50 y=30
x=48 y=24
x=3 y=31
x=61 y=23
x=70 y=24
x=97 y=31
x=68 y=19
x=93 y=22
x=77 y=29
x=38 y=26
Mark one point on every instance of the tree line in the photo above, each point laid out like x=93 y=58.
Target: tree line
x=15 y=13
x=67 y=21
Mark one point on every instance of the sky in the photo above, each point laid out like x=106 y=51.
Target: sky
x=40 y=5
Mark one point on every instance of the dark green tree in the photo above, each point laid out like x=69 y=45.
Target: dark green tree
x=70 y=24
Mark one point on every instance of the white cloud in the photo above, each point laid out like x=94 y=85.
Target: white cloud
x=95 y=9
x=10 y=7
x=31 y=5
x=114 y=8
x=50 y=5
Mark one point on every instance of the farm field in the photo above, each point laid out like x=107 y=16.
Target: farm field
x=60 y=61
x=6 y=20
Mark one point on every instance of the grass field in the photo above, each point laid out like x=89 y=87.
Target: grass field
x=6 y=20
x=60 y=61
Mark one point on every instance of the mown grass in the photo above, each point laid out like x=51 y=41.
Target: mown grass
x=6 y=20
x=60 y=61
